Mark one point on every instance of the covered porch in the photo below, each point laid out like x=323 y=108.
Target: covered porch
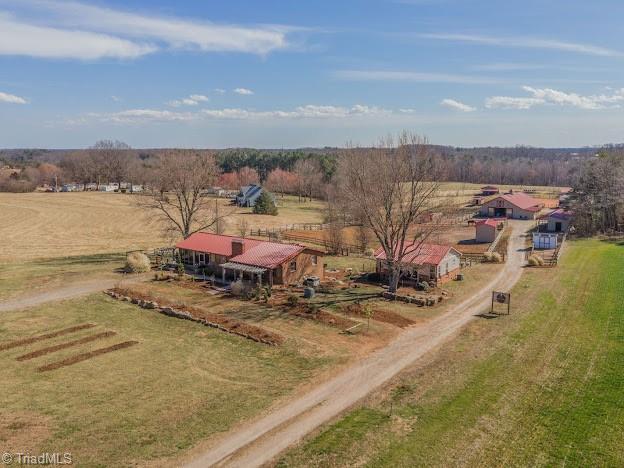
x=254 y=274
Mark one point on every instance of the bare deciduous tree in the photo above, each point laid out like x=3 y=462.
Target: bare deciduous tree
x=389 y=188
x=177 y=193
x=309 y=178
x=243 y=227
x=112 y=160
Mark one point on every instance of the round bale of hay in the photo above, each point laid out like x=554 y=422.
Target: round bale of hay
x=137 y=262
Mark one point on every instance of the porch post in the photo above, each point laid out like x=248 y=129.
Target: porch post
x=223 y=274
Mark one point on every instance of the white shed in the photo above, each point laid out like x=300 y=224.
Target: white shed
x=544 y=240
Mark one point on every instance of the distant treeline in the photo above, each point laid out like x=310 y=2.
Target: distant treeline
x=518 y=165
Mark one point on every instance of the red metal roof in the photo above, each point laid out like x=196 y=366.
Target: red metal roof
x=213 y=243
x=522 y=201
x=257 y=253
x=488 y=222
x=429 y=254
x=268 y=254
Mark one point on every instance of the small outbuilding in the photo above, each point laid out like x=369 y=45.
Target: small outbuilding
x=558 y=220
x=544 y=240
x=486 y=230
x=489 y=190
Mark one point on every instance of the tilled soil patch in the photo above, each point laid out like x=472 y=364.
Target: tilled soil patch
x=34 y=339
x=69 y=344
x=381 y=315
x=84 y=356
x=213 y=320
x=321 y=316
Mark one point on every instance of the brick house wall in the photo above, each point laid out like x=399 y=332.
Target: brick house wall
x=304 y=266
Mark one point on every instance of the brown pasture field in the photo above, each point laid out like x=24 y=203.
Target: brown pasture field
x=51 y=225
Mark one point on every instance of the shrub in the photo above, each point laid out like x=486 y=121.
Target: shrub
x=487 y=257
x=137 y=262
x=292 y=300
x=369 y=252
x=496 y=257
x=238 y=288
x=422 y=286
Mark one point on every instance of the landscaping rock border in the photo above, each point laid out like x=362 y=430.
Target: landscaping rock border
x=227 y=325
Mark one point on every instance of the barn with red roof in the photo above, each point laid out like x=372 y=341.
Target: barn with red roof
x=515 y=205
x=250 y=259
x=424 y=262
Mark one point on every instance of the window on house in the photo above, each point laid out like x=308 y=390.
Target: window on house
x=293 y=265
x=314 y=259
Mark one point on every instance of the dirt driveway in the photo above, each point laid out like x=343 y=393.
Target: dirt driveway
x=260 y=441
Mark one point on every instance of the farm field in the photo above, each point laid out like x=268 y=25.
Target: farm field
x=33 y=276
x=181 y=383
x=47 y=225
x=541 y=387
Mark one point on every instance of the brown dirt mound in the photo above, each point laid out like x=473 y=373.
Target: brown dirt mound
x=381 y=315
x=84 y=356
x=34 y=339
x=216 y=320
x=69 y=344
x=305 y=311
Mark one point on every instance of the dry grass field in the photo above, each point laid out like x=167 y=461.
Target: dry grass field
x=48 y=225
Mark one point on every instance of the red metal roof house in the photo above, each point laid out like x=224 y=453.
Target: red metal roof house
x=429 y=262
x=256 y=260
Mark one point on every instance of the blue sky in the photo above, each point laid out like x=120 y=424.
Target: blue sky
x=310 y=73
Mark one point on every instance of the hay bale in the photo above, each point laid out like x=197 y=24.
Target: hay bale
x=137 y=262
x=536 y=260
x=496 y=257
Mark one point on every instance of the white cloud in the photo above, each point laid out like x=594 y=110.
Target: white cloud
x=308 y=112
x=243 y=91
x=507 y=102
x=460 y=106
x=17 y=38
x=561 y=98
x=543 y=96
x=56 y=29
x=116 y=98
x=410 y=76
x=508 y=66
x=11 y=98
x=529 y=43
x=192 y=100
x=219 y=90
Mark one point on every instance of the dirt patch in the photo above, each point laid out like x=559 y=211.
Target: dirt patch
x=34 y=339
x=23 y=432
x=84 y=356
x=218 y=321
x=381 y=315
x=69 y=344
x=322 y=316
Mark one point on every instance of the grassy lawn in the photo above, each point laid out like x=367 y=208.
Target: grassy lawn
x=181 y=384
x=31 y=276
x=542 y=386
x=360 y=264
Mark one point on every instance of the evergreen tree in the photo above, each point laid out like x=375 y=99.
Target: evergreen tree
x=265 y=204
